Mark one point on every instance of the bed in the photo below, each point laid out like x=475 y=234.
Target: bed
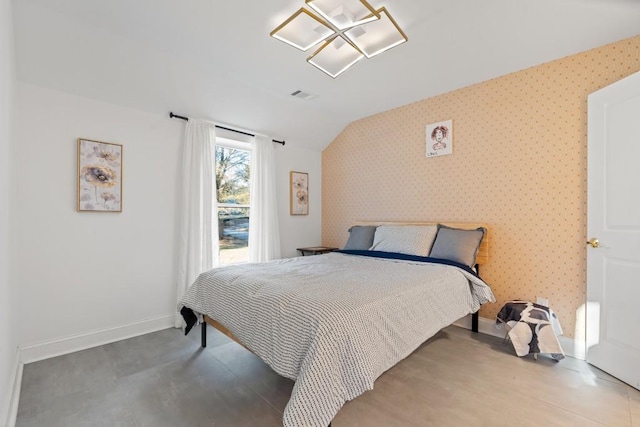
x=335 y=322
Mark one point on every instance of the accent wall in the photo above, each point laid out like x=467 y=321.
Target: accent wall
x=519 y=164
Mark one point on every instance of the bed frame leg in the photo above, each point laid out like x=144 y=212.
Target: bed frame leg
x=474 y=321
x=474 y=316
x=204 y=334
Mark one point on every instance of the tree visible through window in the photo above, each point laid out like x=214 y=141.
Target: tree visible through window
x=232 y=183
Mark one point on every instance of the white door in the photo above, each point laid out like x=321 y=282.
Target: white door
x=613 y=267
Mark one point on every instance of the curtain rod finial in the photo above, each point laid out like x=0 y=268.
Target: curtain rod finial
x=171 y=116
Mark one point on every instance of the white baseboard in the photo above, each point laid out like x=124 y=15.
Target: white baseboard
x=486 y=326
x=9 y=402
x=14 y=397
x=58 y=347
x=573 y=347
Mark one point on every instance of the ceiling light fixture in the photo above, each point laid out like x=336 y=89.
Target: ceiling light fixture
x=350 y=29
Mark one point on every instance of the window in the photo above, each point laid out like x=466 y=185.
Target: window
x=232 y=163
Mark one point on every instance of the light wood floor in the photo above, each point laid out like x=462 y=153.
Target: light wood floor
x=455 y=379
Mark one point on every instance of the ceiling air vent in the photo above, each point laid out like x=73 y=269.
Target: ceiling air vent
x=303 y=95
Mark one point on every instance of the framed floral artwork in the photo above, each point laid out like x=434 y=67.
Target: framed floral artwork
x=99 y=176
x=440 y=139
x=299 y=193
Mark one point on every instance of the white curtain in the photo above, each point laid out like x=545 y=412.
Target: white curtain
x=264 y=232
x=198 y=250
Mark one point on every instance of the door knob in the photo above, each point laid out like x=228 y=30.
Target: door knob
x=593 y=242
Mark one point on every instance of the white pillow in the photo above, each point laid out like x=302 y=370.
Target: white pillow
x=405 y=239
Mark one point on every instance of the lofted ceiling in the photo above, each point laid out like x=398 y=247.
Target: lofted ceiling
x=214 y=59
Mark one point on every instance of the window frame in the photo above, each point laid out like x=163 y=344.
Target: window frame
x=238 y=145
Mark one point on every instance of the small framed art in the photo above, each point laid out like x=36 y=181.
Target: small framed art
x=99 y=176
x=299 y=193
x=440 y=138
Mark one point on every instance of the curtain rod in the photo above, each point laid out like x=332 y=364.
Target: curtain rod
x=186 y=119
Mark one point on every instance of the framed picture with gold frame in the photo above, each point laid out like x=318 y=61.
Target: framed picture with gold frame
x=299 y=193
x=99 y=176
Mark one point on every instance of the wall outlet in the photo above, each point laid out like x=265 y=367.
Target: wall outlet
x=542 y=301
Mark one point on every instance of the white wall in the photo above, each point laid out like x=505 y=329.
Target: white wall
x=82 y=273
x=8 y=340
x=98 y=277
x=299 y=230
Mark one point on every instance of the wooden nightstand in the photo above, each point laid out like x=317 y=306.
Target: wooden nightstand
x=316 y=250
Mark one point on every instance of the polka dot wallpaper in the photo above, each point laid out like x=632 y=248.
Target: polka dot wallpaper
x=519 y=164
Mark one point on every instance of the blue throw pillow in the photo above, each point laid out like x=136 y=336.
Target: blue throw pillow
x=457 y=245
x=361 y=237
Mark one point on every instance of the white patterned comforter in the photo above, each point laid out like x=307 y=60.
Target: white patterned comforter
x=334 y=323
